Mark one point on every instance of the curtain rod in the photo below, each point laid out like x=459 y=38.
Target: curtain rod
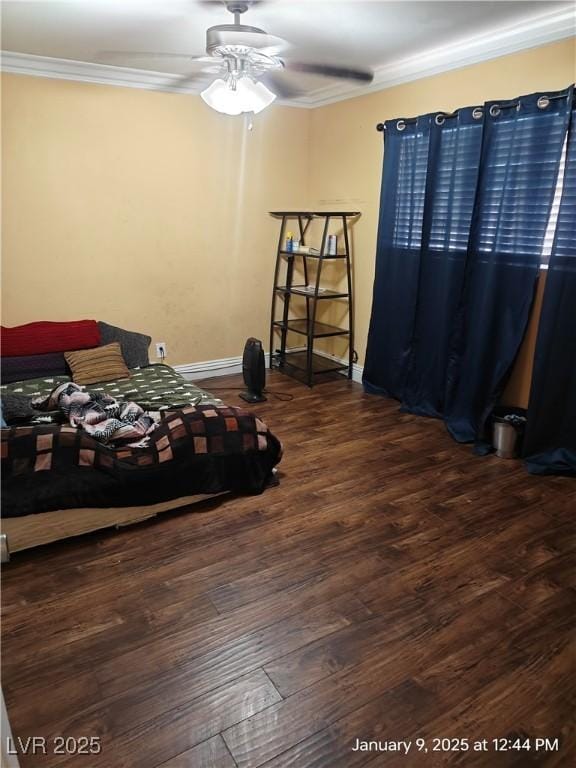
x=477 y=113
x=441 y=115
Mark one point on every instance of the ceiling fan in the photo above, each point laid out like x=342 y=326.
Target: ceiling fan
x=248 y=63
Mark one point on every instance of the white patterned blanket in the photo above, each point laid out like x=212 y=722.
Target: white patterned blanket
x=101 y=416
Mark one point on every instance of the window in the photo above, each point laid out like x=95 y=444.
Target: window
x=553 y=218
x=410 y=191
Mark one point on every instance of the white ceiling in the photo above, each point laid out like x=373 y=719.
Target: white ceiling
x=378 y=34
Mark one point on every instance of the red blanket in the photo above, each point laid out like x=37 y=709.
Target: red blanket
x=42 y=337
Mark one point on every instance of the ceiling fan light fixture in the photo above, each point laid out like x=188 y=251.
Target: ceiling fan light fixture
x=255 y=95
x=233 y=97
x=221 y=98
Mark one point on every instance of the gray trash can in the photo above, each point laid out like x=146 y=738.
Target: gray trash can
x=506 y=435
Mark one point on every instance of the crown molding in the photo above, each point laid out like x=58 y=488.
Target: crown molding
x=539 y=30
x=88 y=72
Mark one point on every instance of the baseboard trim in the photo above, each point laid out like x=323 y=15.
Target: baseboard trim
x=357 y=369
x=224 y=366
x=227 y=366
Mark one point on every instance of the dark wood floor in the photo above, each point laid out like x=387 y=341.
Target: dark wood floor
x=393 y=587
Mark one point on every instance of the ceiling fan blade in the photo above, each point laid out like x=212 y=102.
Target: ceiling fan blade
x=280 y=86
x=181 y=83
x=151 y=55
x=268 y=44
x=328 y=70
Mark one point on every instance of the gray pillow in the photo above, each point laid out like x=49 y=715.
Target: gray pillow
x=134 y=346
x=32 y=367
x=17 y=408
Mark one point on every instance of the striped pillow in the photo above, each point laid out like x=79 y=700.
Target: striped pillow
x=91 y=366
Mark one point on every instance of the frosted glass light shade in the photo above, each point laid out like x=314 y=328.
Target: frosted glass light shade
x=248 y=96
x=255 y=95
x=221 y=98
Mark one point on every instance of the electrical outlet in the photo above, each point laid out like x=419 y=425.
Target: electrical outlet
x=161 y=350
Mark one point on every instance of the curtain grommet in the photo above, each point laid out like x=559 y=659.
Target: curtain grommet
x=477 y=113
x=400 y=125
x=495 y=110
x=543 y=102
x=440 y=119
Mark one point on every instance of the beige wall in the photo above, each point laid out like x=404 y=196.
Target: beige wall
x=517 y=390
x=167 y=201
x=147 y=210
x=346 y=149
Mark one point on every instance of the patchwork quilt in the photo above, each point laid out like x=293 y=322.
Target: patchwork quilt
x=202 y=448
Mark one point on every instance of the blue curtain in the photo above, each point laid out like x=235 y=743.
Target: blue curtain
x=398 y=255
x=550 y=441
x=450 y=191
x=521 y=151
x=465 y=205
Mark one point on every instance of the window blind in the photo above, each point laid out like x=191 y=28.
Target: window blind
x=519 y=183
x=411 y=189
x=454 y=186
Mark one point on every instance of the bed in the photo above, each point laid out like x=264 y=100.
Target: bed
x=58 y=481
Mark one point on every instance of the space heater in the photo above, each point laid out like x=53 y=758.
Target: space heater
x=254 y=372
